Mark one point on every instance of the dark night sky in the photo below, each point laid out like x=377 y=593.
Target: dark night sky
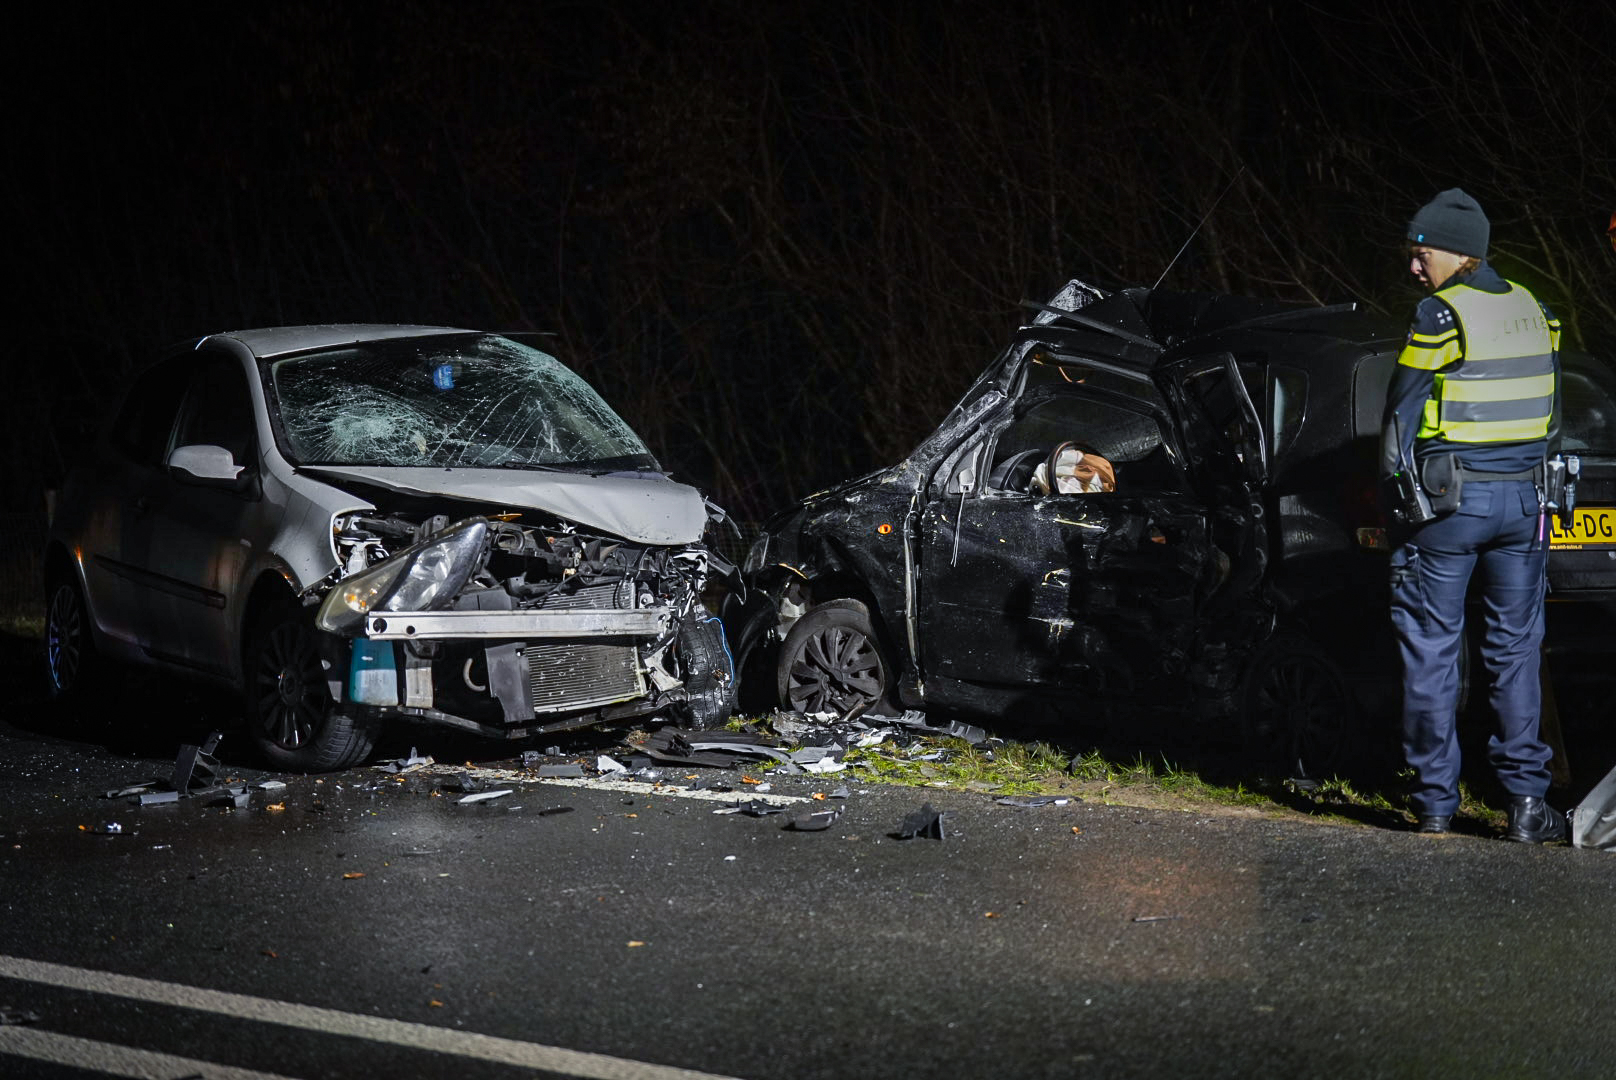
x=749 y=222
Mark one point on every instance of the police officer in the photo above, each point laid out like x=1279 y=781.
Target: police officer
x=1472 y=412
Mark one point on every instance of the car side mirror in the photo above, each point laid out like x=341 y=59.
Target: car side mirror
x=205 y=465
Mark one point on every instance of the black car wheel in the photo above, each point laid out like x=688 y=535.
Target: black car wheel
x=831 y=662
x=291 y=719
x=1296 y=707
x=71 y=662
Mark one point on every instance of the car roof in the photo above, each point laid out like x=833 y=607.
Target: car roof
x=1174 y=319
x=280 y=340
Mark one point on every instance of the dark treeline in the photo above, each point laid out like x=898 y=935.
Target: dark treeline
x=781 y=238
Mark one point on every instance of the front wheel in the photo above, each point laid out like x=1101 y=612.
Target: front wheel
x=1296 y=706
x=291 y=719
x=831 y=662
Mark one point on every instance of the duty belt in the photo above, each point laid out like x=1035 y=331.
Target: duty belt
x=1470 y=474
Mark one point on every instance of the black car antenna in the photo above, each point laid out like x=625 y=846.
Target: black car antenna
x=1226 y=188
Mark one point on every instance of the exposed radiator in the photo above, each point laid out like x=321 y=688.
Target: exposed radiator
x=564 y=676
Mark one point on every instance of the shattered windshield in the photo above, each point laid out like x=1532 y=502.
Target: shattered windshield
x=450 y=401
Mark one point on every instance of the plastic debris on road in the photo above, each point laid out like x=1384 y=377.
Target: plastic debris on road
x=1026 y=801
x=751 y=808
x=813 y=820
x=607 y=765
x=483 y=796
x=570 y=771
x=927 y=823
x=406 y=764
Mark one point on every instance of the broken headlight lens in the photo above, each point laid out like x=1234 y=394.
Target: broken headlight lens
x=419 y=578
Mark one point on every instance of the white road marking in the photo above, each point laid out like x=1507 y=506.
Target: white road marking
x=352 y=1025
x=115 y=1060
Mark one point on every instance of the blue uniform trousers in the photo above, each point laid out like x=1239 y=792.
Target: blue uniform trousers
x=1498 y=527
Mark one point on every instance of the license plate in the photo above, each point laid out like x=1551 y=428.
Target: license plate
x=1591 y=527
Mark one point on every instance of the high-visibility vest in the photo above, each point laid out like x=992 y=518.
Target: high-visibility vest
x=1504 y=389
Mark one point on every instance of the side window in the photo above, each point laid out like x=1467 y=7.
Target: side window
x=1587 y=405
x=1369 y=385
x=1130 y=444
x=218 y=410
x=1287 y=405
x=146 y=417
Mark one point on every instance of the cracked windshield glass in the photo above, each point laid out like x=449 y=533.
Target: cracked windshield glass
x=459 y=401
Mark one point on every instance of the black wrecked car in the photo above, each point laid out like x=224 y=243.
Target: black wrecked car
x=1148 y=495
x=1154 y=496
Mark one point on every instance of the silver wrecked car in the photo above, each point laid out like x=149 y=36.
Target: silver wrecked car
x=353 y=523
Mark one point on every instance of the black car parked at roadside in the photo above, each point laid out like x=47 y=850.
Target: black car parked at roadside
x=1235 y=561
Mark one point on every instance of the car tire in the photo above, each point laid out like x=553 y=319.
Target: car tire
x=832 y=662
x=1296 y=707
x=74 y=668
x=291 y=720
x=708 y=671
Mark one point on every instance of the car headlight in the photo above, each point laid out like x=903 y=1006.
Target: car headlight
x=419 y=578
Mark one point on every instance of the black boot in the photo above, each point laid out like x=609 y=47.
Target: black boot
x=1434 y=823
x=1534 y=821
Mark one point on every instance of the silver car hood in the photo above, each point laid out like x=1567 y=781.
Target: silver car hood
x=647 y=509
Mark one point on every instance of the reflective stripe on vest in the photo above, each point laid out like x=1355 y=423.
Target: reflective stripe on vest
x=1503 y=391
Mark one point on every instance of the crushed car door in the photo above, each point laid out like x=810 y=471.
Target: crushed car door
x=1229 y=462
x=1022 y=582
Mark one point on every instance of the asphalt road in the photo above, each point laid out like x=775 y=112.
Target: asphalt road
x=362 y=924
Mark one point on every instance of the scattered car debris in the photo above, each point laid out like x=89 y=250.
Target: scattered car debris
x=813 y=820
x=840 y=793
x=270 y=785
x=406 y=764
x=551 y=811
x=927 y=822
x=235 y=796
x=195 y=766
x=462 y=782
x=914 y=718
x=720 y=749
x=606 y=765
x=159 y=798
x=1593 y=822
x=530 y=758
x=14 y=1017
x=572 y=771
x=132 y=789
x=825 y=765
x=751 y=808
x=1027 y=801
x=108 y=828
x=1156 y=918
x=481 y=796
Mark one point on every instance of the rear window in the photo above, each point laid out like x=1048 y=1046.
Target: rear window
x=1587 y=405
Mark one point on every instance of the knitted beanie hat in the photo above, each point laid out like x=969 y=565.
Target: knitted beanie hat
x=1452 y=221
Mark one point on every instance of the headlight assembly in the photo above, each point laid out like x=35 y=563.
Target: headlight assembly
x=420 y=578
